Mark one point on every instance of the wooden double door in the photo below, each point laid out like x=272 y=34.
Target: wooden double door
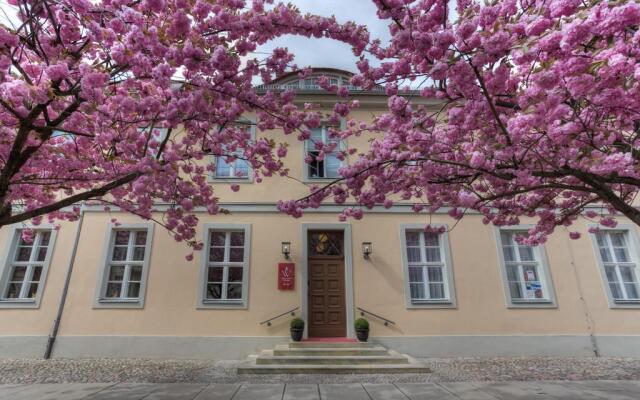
x=327 y=315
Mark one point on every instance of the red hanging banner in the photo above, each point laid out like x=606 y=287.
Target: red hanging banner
x=286 y=276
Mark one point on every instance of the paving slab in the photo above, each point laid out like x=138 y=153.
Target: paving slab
x=425 y=391
x=611 y=390
x=565 y=390
x=301 y=392
x=260 y=392
x=515 y=390
x=36 y=391
x=218 y=391
x=124 y=391
x=176 y=391
x=529 y=390
x=75 y=391
x=384 y=391
x=55 y=391
x=467 y=390
x=345 y=391
x=7 y=389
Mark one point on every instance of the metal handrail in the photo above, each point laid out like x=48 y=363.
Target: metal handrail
x=386 y=321
x=292 y=312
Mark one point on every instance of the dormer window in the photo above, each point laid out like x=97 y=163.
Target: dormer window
x=339 y=78
x=311 y=82
x=327 y=167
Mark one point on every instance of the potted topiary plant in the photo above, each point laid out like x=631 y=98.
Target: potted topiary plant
x=297 y=329
x=362 y=329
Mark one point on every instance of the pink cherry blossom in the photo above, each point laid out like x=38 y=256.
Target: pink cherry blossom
x=537 y=114
x=94 y=95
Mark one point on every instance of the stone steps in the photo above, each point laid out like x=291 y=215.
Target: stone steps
x=284 y=350
x=333 y=345
x=334 y=369
x=331 y=358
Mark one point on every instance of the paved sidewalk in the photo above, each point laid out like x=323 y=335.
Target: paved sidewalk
x=570 y=390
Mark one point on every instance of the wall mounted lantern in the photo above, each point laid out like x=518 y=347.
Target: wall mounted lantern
x=367 y=249
x=286 y=249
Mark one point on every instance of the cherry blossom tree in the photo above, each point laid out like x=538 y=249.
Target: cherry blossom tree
x=539 y=113
x=119 y=101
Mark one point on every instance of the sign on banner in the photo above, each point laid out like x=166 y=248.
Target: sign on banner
x=286 y=276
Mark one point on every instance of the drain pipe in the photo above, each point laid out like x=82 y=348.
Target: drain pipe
x=63 y=298
x=590 y=323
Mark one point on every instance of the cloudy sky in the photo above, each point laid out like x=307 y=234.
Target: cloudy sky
x=326 y=52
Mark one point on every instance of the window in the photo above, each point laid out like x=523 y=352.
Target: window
x=26 y=267
x=428 y=273
x=226 y=265
x=233 y=168
x=126 y=265
x=237 y=168
x=311 y=82
x=620 y=269
x=523 y=270
x=329 y=165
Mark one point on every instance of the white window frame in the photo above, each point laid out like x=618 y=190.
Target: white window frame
x=633 y=247
x=243 y=302
x=234 y=179
x=9 y=255
x=341 y=147
x=445 y=253
x=540 y=256
x=103 y=276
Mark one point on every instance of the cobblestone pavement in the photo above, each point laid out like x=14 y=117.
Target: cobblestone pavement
x=569 y=390
x=193 y=371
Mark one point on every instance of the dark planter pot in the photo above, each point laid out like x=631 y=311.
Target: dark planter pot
x=362 y=334
x=296 y=334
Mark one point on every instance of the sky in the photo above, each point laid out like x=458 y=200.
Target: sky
x=326 y=52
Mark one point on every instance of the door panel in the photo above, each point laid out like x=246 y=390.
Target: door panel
x=327 y=311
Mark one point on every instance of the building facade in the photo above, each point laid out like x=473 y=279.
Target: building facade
x=126 y=290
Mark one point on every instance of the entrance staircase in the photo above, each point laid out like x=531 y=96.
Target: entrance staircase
x=311 y=357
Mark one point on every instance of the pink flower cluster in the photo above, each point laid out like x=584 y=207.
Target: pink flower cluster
x=122 y=103
x=538 y=113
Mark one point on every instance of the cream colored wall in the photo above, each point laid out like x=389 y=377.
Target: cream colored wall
x=292 y=187
x=170 y=306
